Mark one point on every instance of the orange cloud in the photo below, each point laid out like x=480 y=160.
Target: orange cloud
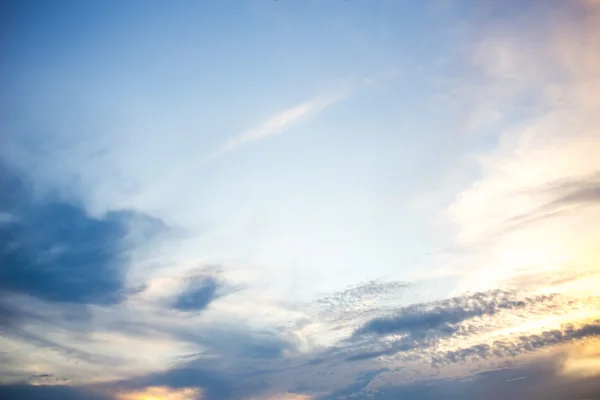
x=161 y=393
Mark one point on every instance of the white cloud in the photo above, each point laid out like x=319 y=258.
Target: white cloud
x=281 y=121
x=508 y=217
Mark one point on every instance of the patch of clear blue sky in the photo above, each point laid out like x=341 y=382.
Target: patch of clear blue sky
x=217 y=48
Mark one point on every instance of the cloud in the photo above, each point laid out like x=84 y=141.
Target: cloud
x=363 y=297
x=54 y=251
x=583 y=190
x=443 y=317
x=523 y=344
x=567 y=196
x=280 y=122
x=46 y=378
x=236 y=362
x=161 y=393
x=48 y=392
x=229 y=340
x=214 y=386
x=355 y=389
x=198 y=294
x=38 y=331
x=540 y=179
x=6 y=218
x=537 y=380
x=342 y=381
x=417 y=332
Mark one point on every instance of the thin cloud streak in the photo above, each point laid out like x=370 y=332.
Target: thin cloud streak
x=280 y=122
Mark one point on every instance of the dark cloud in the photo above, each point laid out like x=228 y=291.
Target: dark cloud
x=237 y=342
x=42 y=376
x=8 y=317
x=420 y=327
x=523 y=344
x=356 y=388
x=442 y=318
x=54 y=251
x=25 y=318
x=48 y=392
x=391 y=349
x=214 y=385
x=197 y=295
x=236 y=362
x=234 y=373
x=56 y=261
x=536 y=381
x=47 y=378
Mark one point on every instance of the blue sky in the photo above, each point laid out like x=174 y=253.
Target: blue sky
x=299 y=199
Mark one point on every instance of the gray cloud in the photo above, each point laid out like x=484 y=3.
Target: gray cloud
x=215 y=386
x=524 y=344
x=238 y=362
x=579 y=189
x=228 y=340
x=539 y=380
x=356 y=388
x=226 y=381
x=197 y=295
x=48 y=392
x=54 y=251
x=590 y=194
x=353 y=299
x=442 y=318
x=415 y=330
x=67 y=352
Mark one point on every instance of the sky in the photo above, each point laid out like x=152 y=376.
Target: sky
x=300 y=200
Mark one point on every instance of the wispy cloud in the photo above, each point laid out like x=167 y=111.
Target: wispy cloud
x=281 y=121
